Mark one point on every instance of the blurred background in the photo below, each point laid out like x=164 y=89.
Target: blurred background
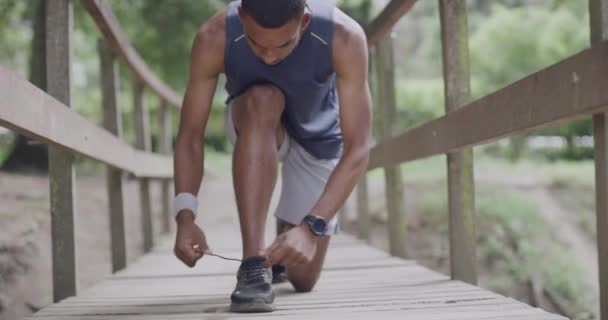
x=535 y=192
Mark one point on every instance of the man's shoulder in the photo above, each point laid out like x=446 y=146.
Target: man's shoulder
x=348 y=38
x=346 y=30
x=213 y=31
x=209 y=43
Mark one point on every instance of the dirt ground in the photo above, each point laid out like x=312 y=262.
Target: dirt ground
x=25 y=241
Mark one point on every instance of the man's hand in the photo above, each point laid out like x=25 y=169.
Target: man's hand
x=296 y=246
x=190 y=242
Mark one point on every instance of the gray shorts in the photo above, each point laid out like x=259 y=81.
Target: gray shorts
x=303 y=178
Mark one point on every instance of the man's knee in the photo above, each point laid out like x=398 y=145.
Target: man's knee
x=305 y=283
x=261 y=106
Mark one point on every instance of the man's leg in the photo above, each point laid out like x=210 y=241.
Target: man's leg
x=304 y=277
x=257 y=119
x=256 y=116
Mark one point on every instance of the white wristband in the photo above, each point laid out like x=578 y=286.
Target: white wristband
x=185 y=201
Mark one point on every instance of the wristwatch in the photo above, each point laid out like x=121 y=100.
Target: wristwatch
x=318 y=225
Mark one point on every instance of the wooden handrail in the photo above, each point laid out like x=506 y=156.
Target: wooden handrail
x=109 y=26
x=386 y=20
x=32 y=112
x=569 y=89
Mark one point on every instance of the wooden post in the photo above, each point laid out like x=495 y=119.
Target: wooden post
x=461 y=189
x=363 y=212
x=385 y=86
x=165 y=145
x=598 y=10
x=59 y=22
x=112 y=121
x=142 y=142
x=343 y=217
x=363 y=217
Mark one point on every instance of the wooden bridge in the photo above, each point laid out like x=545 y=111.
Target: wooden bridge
x=358 y=282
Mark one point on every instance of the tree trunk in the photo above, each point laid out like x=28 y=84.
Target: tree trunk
x=27 y=156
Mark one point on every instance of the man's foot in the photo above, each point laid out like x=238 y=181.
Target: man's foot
x=279 y=275
x=253 y=291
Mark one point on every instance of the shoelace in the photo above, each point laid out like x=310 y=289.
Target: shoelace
x=255 y=274
x=222 y=257
x=208 y=252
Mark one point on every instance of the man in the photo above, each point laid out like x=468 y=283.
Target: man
x=286 y=63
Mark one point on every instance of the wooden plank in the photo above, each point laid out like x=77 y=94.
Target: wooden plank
x=343 y=217
x=358 y=282
x=461 y=188
x=364 y=222
x=568 y=90
x=386 y=20
x=392 y=293
x=112 y=120
x=28 y=110
x=165 y=140
x=598 y=10
x=59 y=24
x=385 y=68
x=141 y=117
x=107 y=23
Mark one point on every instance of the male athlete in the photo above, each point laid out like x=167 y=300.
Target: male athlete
x=298 y=94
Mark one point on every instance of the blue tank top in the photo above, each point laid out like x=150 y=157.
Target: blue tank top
x=306 y=78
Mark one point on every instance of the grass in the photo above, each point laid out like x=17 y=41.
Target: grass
x=513 y=243
x=578 y=198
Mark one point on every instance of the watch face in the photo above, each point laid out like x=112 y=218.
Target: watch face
x=319 y=226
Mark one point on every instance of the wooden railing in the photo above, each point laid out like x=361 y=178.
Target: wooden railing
x=570 y=89
x=565 y=91
x=47 y=117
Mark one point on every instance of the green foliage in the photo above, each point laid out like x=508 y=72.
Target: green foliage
x=419 y=101
x=513 y=240
x=514 y=42
x=162 y=33
x=15 y=34
x=360 y=10
x=507 y=223
x=508 y=41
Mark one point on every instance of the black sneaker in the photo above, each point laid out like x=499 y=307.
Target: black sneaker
x=253 y=291
x=279 y=275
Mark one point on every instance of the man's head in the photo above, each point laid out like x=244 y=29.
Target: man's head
x=273 y=27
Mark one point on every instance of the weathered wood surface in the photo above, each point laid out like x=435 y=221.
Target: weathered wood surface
x=59 y=23
x=358 y=282
x=461 y=186
x=598 y=10
x=364 y=219
x=393 y=182
x=28 y=110
x=143 y=141
x=112 y=119
x=165 y=146
x=386 y=20
x=568 y=90
x=110 y=27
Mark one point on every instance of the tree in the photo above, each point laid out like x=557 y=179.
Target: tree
x=514 y=42
x=25 y=155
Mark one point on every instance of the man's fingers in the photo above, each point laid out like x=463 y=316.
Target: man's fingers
x=278 y=255
x=201 y=249
x=184 y=258
x=273 y=247
x=189 y=255
x=291 y=259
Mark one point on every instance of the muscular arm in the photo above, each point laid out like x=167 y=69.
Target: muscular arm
x=206 y=64
x=350 y=64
